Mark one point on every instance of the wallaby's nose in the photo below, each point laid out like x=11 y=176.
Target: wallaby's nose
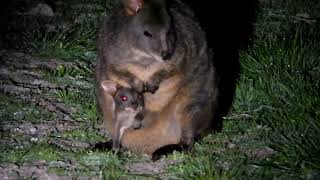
x=165 y=55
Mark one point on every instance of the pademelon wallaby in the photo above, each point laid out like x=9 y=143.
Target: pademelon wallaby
x=157 y=47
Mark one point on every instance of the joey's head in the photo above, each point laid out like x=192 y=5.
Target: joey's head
x=150 y=28
x=127 y=99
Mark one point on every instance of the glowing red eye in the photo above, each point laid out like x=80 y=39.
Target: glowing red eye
x=124 y=98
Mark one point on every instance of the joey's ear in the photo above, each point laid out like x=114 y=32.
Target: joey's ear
x=132 y=7
x=109 y=87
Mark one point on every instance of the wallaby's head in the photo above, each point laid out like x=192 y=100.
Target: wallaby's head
x=150 y=28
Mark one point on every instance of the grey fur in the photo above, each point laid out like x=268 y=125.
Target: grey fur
x=190 y=57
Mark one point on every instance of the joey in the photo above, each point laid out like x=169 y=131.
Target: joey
x=128 y=110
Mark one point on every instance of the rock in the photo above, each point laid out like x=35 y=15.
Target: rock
x=151 y=168
x=262 y=153
x=42 y=9
x=33 y=130
x=231 y=145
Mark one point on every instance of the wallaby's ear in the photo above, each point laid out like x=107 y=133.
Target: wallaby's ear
x=132 y=7
x=109 y=87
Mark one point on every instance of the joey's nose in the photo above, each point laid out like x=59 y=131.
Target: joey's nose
x=165 y=55
x=134 y=105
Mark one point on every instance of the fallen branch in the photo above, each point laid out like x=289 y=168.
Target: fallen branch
x=68 y=145
x=246 y=114
x=28 y=94
x=151 y=168
x=19 y=60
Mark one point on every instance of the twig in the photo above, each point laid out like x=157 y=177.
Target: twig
x=19 y=60
x=246 y=114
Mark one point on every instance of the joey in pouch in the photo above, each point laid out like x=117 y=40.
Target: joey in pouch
x=128 y=110
x=157 y=47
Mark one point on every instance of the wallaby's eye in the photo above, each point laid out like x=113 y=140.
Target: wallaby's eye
x=123 y=98
x=148 y=34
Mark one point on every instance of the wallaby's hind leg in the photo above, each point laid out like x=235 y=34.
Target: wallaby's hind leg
x=148 y=139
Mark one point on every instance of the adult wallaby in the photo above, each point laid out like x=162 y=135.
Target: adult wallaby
x=157 y=47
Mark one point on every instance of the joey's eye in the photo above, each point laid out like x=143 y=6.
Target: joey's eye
x=139 y=96
x=123 y=98
x=148 y=34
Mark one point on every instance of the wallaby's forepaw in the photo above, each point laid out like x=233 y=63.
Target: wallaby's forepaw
x=137 y=85
x=151 y=87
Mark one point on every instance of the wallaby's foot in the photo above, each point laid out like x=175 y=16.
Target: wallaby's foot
x=103 y=146
x=168 y=149
x=106 y=146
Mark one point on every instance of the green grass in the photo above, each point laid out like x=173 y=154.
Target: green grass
x=282 y=70
x=65 y=45
x=272 y=131
x=83 y=100
x=30 y=154
x=83 y=135
x=13 y=109
x=282 y=73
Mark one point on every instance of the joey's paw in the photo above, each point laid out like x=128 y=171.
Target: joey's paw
x=137 y=125
x=150 y=87
x=139 y=117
